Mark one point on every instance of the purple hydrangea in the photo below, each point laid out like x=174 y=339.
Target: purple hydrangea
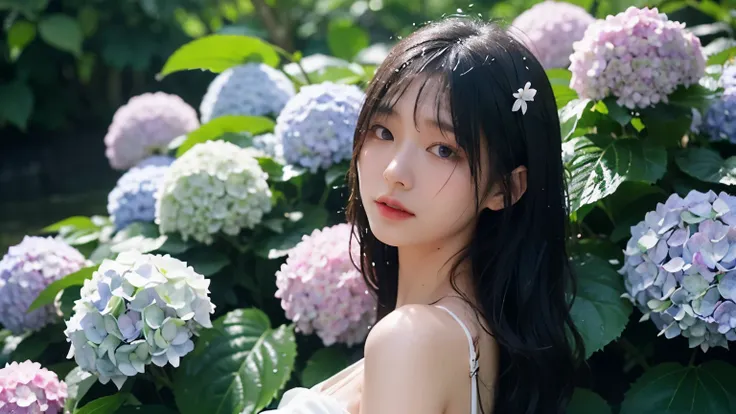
x=25 y=270
x=728 y=76
x=145 y=126
x=133 y=198
x=322 y=291
x=27 y=388
x=637 y=56
x=249 y=89
x=549 y=29
x=316 y=126
x=680 y=268
x=720 y=119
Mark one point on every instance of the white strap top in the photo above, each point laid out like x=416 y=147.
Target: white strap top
x=473 y=363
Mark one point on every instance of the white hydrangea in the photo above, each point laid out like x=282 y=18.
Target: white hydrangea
x=137 y=309
x=214 y=187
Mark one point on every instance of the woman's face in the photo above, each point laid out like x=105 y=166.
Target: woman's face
x=417 y=163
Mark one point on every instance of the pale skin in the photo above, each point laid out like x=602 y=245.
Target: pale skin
x=416 y=358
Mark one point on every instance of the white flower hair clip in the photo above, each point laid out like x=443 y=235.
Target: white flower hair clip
x=524 y=95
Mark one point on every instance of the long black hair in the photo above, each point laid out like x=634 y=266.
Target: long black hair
x=520 y=270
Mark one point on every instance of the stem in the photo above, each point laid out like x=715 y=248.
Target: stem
x=291 y=59
x=233 y=240
x=278 y=31
x=634 y=351
x=159 y=374
x=692 y=357
x=325 y=195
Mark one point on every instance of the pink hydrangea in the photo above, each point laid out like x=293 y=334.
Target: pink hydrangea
x=145 y=126
x=322 y=291
x=550 y=28
x=27 y=388
x=637 y=56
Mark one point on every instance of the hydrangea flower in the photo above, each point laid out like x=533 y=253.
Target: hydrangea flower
x=248 y=89
x=270 y=145
x=637 y=56
x=27 y=388
x=145 y=126
x=214 y=187
x=316 y=126
x=26 y=270
x=322 y=291
x=728 y=76
x=549 y=29
x=136 y=310
x=680 y=268
x=720 y=119
x=133 y=198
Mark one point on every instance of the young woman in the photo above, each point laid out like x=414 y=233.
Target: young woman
x=458 y=203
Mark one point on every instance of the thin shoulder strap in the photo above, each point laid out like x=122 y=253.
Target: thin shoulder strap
x=473 y=363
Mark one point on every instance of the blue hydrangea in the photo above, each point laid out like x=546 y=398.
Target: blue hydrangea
x=728 y=76
x=719 y=122
x=133 y=198
x=316 y=126
x=26 y=270
x=680 y=268
x=250 y=89
x=270 y=145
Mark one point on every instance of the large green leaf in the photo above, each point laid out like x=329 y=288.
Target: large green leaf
x=345 y=39
x=219 y=126
x=707 y=165
x=675 y=389
x=108 y=404
x=301 y=222
x=206 y=261
x=62 y=32
x=76 y=222
x=585 y=401
x=570 y=115
x=49 y=293
x=236 y=367
x=29 y=8
x=599 y=312
x=16 y=103
x=666 y=124
x=601 y=164
x=323 y=364
x=219 y=52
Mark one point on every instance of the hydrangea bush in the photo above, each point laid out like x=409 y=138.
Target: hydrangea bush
x=316 y=126
x=26 y=270
x=145 y=126
x=133 y=198
x=214 y=187
x=720 y=119
x=28 y=388
x=322 y=291
x=550 y=28
x=680 y=267
x=637 y=56
x=136 y=310
x=248 y=89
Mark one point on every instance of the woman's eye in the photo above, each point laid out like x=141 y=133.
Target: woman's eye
x=443 y=151
x=382 y=133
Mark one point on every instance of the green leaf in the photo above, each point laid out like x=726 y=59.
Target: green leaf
x=219 y=52
x=62 y=32
x=599 y=312
x=707 y=165
x=616 y=111
x=323 y=364
x=219 y=126
x=16 y=103
x=278 y=172
x=68 y=296
x=20 y=34
x=206 y=261
x=88 y=20
x=570 y=115
x=75 y=222
x=138 y=236
x=104 y=405
x=78 y=382
x=321 y=68
x=236 y=367
x=695 y=96
x=335 y=173
x=675 y=389
x=29 y=8
x=345 y=39
x=175 y=245
x=585 y=401
x=303 y=221
x=722 y=57
x=666 y=124
x=145 y=409
x=601 y=164
x=49 y=293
